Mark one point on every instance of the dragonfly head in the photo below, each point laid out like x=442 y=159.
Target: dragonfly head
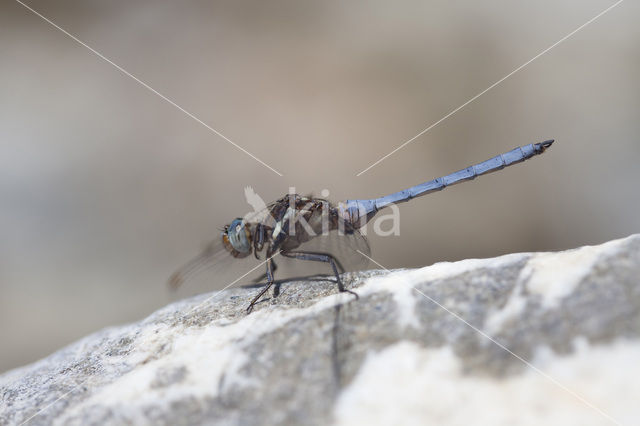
x=236 y=238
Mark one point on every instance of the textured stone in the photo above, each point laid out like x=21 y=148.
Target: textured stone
x=424 y=345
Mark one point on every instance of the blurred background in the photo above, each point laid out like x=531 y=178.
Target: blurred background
x=105 y=188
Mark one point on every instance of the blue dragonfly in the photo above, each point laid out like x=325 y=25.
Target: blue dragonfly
x=289 y=225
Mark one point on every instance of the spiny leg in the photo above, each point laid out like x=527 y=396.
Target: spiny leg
x=274 y=268
x=266 y=287
x=319 y=257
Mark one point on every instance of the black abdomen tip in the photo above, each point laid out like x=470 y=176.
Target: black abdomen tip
x=544 y=145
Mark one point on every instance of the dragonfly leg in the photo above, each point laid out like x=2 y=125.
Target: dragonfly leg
x=258 y=240
x=320 y=257
x=270 y=270
x=274 y=268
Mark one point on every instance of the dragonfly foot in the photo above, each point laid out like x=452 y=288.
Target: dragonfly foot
x=352 y=292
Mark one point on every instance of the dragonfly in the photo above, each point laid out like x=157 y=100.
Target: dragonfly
x=287 y=226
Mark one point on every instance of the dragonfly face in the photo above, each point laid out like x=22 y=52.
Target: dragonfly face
x=236 y=238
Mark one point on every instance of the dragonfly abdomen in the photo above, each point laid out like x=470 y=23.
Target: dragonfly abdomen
x=360 y=212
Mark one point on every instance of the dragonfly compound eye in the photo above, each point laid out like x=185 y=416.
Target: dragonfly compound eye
x=239 y=236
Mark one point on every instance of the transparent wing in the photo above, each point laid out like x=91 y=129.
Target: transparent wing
x=214 y=269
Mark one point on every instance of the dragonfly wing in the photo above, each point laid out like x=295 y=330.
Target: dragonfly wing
x=214 y=269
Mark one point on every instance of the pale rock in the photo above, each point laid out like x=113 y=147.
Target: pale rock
x=551 y=338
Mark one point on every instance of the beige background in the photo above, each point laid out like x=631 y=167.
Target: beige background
x=105 y=188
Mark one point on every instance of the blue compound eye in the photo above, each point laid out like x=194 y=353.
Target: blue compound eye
x=238 y=236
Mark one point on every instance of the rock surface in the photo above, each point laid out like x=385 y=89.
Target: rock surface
x=419 y=346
